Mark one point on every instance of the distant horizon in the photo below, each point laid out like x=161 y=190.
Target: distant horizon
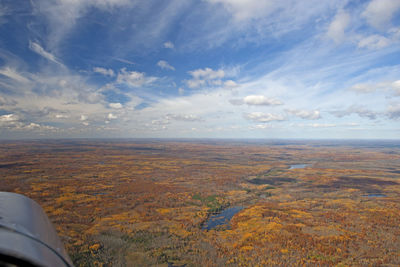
x=193 y=139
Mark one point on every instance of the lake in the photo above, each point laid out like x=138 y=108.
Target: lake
x=222 y=218
x=298 y=166
x=375 y=195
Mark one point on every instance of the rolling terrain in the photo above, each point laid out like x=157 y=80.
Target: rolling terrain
x=156 y=203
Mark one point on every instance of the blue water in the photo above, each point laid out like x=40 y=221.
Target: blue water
x=222 y=218
x=298 y=166
x=375 y=195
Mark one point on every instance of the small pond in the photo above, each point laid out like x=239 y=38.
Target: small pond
x=298 y=166
x=222 y=218
x=375 y=195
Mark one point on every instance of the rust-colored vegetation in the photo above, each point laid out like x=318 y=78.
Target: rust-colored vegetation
x=145 y=203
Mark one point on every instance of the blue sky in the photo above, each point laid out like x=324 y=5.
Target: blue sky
x=206 y=68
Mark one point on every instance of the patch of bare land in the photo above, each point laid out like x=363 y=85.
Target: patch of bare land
x=143 y=203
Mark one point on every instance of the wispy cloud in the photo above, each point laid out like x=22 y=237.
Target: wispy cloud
x=35 y=47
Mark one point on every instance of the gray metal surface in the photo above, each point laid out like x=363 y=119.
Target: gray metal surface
x=26 y=233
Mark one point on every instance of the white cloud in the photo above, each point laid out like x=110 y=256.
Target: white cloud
x=260 y=100
x=374 y=42
x=115 y=105
x=359 y=110
x=305 y=114
x=35 y=47
x=13 y=74
x=111 y=116
x=83 y=118
x=363 y=88
x=244 y=10
x=105 y=72
x=261 y=126
x=336 y=30
x=396 y=87
x=181 y=91
x=230 y=84
x=61 y=116
x=322 y=125
x=124 y=60
x=207 y=76
x=263 y=117
x=169 y=45
x=189 y=117
x=63 y=14
x=8 y=118
x=373 y=87
x=165 y=65
x=134 y=78
x=380 y=12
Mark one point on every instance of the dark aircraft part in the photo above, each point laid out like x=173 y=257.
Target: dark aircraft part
x=27 y=237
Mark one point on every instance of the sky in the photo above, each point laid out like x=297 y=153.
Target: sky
x=200 y=69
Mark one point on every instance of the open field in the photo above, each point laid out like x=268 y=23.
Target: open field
x=144 y=203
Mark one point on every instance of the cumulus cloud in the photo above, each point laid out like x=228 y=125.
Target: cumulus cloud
x=263 y=117
x=336 y=30
x=8 y=118
x=179 y=117
x=14 y=123
x=207 y=76
x=115 y=105
x=379 y=13
x=169 y=45
x=105 y=72
x=61 y=116
x=230 y=84
x=134 y=78
x=305 y=114
x=260 y=100
x=35 y=47
x=165 y=65
x=360 y=111
x=111 y=116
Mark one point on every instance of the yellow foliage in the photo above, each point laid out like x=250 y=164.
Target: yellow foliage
x=163 y=211
x=284 y=251
x=95 y=247
x=246 y=248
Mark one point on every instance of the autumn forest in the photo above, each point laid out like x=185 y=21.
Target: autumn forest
x=214 y=202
